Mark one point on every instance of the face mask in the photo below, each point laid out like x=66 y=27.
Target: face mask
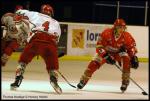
x=119 y=30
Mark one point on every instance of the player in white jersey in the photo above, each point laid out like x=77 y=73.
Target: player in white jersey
x=15 y=32
x=42 y=41
x=42 y=22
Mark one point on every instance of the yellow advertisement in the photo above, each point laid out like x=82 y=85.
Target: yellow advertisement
x=78 y=38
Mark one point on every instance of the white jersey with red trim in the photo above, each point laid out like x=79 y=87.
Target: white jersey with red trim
x=15 y=29
x=42 y=22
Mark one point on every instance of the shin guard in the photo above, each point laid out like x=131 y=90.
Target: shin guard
x=125 y=81
x=19 y=76
x=92 y=67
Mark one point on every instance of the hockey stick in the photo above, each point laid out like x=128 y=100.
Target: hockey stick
x=66 y=80
x=60 y=55
x=144 y=92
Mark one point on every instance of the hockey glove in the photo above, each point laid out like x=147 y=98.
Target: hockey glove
x=134 y=62
x=122 y=49
x=109 y=59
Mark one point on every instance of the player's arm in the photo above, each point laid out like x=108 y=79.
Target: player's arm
x=57 y=31
x=30 y=14
x=132 y=50
x=4 y=29
x=100 y=49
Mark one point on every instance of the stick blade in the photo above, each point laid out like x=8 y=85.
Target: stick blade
x=73 y=86
x=144 y=93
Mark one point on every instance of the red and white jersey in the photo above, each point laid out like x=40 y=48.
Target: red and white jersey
x=13 y=29
x=42 y=22
x=108 y=43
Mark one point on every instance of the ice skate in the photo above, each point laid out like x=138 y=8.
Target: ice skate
x=53 y=82
x=14 y=86
x=83 y=80
x=123 y=87
x=80 y=85
x=17 y=82
x=125 y=81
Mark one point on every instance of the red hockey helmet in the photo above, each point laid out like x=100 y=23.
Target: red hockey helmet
x=47 y=9
x=119 y=27
x=119 y=22
x=18 y=7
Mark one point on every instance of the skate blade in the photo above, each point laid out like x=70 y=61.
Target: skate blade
x=122 y=91
x=58 y=90
x=78 y=89
x=13 y=88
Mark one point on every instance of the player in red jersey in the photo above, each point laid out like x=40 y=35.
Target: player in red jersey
x=114 y=44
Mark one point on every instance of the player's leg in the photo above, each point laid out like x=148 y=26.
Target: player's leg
x=50 y=57
x=92 y=67
x=4 y=59
x=19 y=75
x=125 y=73
x=54 y=81
x=7 y=50
x=26 y=56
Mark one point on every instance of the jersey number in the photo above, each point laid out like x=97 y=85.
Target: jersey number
x=46 y=25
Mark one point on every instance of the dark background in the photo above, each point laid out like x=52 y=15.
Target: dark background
x=84 y=11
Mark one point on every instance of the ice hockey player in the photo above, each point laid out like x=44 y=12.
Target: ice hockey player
x=15 y=32
x=42 y=41
x=114 y=44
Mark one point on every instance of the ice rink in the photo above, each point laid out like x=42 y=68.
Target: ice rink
x=104 y=84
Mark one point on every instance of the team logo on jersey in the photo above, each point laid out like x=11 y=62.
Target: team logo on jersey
x=78 y=38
